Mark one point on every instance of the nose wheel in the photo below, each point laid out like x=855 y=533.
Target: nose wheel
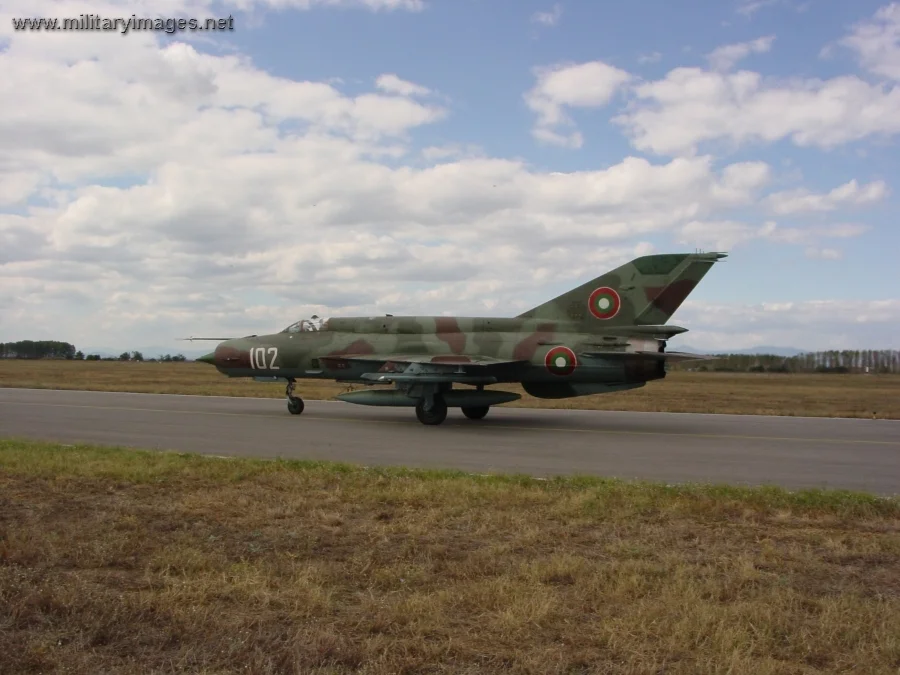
x=294 y=403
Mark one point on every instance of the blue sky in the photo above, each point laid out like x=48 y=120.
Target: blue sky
x=463 y=157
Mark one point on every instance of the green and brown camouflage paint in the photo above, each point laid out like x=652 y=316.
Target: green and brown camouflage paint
x=607 y=334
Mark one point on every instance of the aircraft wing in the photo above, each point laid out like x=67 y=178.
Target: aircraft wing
x=424 y=368
x=686 y=356
x=660 y=332
x=658 y=356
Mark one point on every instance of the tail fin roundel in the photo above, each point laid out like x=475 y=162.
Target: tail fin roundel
x=645 y=291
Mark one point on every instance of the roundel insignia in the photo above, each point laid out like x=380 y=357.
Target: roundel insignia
x=604 y=303
x=561 y=361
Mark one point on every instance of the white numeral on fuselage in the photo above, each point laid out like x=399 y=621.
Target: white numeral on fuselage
x=258 y=358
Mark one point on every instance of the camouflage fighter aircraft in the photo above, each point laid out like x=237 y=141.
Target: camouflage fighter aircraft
x=607 y=335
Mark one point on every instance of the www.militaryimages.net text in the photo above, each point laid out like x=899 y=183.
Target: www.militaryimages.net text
x=96 y=22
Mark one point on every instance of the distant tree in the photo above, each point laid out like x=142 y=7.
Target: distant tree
x=79 y=355
x=37 y=349
x=137 y=356
x=92 y=357
x=826 y=361
x=124 y=356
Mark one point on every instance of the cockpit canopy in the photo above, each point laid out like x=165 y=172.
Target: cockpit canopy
x=314 y=323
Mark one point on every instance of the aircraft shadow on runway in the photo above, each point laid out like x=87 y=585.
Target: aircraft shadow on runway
x=522 y=420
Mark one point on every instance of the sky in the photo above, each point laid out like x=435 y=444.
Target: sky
x=448 y=157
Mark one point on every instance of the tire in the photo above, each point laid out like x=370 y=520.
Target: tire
x=436 y=415
x=295 y=405
x=475 y=412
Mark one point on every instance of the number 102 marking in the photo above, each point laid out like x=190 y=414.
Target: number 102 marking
x=258 y=358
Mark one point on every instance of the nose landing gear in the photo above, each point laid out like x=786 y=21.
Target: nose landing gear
x=295 y=403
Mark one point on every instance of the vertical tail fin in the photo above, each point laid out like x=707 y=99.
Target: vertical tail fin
x=645 y=291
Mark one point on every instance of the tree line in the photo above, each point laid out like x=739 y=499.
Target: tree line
x=37 y=349
x=54 y=349
x=828 y=361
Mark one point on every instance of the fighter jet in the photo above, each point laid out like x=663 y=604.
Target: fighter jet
x=607 y=335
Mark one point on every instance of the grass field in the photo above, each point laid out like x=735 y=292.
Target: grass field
x=813 y=395
x=129 y=562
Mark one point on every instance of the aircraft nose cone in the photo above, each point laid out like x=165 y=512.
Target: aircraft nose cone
x=208 y=358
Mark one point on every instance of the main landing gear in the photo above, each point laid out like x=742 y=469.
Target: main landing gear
x=295 y=403
x=436 y=413
x=433 y=411
x=431 y=408
x=476 y=412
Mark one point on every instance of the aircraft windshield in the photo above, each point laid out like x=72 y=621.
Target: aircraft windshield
x=314 y=323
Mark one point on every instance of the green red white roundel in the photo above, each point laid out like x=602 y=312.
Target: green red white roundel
x=561 y=361
x=604 y=303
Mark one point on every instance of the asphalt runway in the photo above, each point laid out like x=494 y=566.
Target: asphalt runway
x=789 y=451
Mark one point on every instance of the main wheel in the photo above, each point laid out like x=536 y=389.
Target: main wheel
x=436 y=415
x=475 y=412
x=295 y=405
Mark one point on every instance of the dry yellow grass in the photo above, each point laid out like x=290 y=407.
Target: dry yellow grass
x=814 y=395
x=127 y=562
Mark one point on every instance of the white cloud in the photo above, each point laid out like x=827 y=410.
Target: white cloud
x=877 y=42
x=726 y=234
x=131 y=112
x=815 y=324
x=394 y=85
x=451 y=150
x=723 y=58
x=804 y=201
x=690 y=106
x=715 y=235
x=749 y=7
x=801 y=235
x=649 y=58
x=150 y=191
x=550 y=18
x=812 y=237
x=584 y=85
x=235 y=208
x=823 y=253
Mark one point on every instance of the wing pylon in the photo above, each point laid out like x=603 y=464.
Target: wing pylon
x=658 y=356
x=424 y=368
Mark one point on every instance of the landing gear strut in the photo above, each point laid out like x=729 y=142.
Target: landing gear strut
x=434 y=413
x=295 y=403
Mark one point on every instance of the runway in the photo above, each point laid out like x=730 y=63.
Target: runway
x=750 y=450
